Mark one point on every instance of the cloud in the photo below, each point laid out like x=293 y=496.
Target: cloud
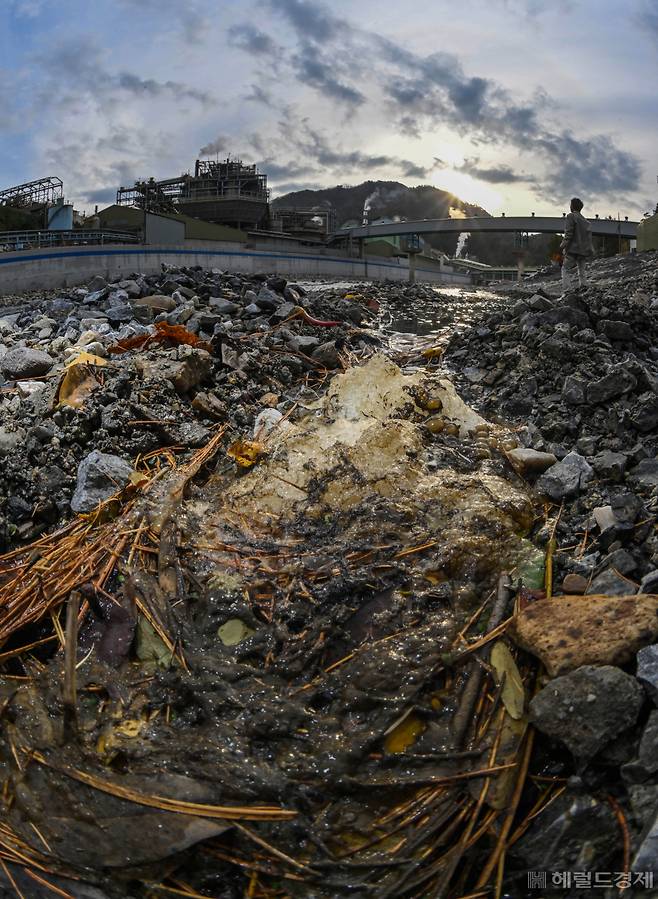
x=252 y=40
x=312 y=69
x=187 y=13
x=310 y=19
x=424 y=92
x=647 y=18
x=79 y=63
x=219 y=145
x=499 y=174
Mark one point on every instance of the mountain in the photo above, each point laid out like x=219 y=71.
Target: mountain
x=385 y=199
x=390 y=199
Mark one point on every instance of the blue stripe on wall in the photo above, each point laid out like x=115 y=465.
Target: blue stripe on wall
x=35 y=257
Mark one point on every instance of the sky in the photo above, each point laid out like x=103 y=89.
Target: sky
x=515 y=105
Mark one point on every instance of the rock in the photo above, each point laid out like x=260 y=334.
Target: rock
x=10 y=439
x=566 y=632
x=565 y=478
x=100 y=476
x=610 y=465
x=575 y=584
x=118 y=315
x=223 y=306
x=616 y=383
x=267 y=299
x=131 y=287
x=587 y=708
x=649 y=583
x=646 y=763
x=158 y=302
x=647 y=670
x=604 y=517
x=284 y=311
x=185 y=372
x=97 y=283
x=573 y=390
x=265 y=422
x=574 y=827
x=611 y=583
x=327 y=355
x=303 y=344
x=24 y=362
x=646 y=857
x=616 y=330
x=644 y=416
x=530 y=461
x=646 y=473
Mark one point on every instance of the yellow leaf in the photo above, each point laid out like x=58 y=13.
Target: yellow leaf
x=513 y=695
x=502 y=786
x=79 y=380
x=404 y=734
x=434 y=352
x=246 y=452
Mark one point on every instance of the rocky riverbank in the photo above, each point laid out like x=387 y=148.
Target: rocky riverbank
x=299 y=669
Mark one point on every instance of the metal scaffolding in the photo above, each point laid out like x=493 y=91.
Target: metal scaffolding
x=226 y=191
x=41 y=192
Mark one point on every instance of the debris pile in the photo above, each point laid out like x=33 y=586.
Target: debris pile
x=285 y=613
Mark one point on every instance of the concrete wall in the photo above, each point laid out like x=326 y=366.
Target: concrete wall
x=647 y=234
x=68 y=266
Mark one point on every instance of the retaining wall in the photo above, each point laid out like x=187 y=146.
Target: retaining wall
x=67 y=266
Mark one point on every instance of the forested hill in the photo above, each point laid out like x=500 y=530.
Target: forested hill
x=388 y=199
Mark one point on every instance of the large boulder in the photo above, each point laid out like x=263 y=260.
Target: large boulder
x=100 y=476
x=587 y=708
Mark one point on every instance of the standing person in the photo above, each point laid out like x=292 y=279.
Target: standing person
x=576 y=246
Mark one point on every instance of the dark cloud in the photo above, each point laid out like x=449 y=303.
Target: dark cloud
x=500 y=174
x=79 y=64
x=312 y=69
x=648 y=18
x=259 y=94
x=128 y=81
x=252 y=40
x=311 y=20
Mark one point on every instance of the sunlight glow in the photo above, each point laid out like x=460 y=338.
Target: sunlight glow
x=468 y=189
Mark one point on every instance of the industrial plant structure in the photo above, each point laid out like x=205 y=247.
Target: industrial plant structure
x=227 y=193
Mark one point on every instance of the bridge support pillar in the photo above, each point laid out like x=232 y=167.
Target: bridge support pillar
x=412 y=268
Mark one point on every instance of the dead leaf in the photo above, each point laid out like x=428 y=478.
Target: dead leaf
x=513 y=695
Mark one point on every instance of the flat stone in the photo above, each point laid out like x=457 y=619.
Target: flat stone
x=604 y=517
x=100 y=476
x=647 y=670
x=575 y=584
x=157 y=301
x=566 y=632
x=530 y=461
x=565 y=478
x=223 y=306
x=587 y=708
x=24 y=362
